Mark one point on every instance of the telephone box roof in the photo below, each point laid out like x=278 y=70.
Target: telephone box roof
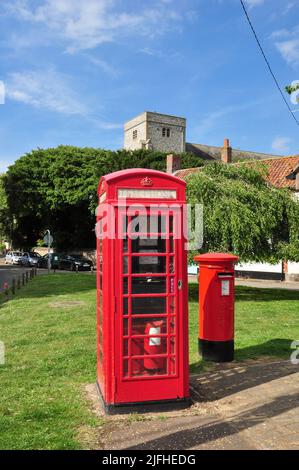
x=139 y=172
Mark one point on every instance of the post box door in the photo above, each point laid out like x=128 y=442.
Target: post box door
x=147 y=300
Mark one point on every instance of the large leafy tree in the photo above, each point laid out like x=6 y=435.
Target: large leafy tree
x=244 y=215
x=5 y=220
x=56 y=188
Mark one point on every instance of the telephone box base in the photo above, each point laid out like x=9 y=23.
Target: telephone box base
x=216 y=351
x=143 y=407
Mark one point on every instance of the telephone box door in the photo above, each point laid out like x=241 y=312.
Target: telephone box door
x=147 y=346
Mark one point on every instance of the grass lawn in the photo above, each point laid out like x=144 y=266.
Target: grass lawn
x=50 y=353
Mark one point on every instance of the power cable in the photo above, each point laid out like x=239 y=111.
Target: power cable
x=267 y=62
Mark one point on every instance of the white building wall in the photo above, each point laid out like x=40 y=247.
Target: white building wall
x=260 y=267
x=293 y=268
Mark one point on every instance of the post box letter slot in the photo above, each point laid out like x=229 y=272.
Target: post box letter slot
x=226 y=275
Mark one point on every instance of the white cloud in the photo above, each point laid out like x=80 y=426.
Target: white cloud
x=254 y=3
x=103 y=65
x=287 y=43
x=289 y=50
x=213 y=119
x=289 y=7
x=281 y=144
x=159 y=54
x=50 y=90
x=44 y=89
x=89 y=23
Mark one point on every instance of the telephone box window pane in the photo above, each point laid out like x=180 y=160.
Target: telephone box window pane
x=125 y=306
x=125 y=285
x=139 y=223
x=126 y=327
x=172 y=325
x=149 y=285
x=137 y=347
x=148 y=245
x=149 y=367
x=147 y=224
x=148 y=264
x=171 y=224
x=171 y=265
x=125 y=265
x=171 y=245
x=125 y=347
x=172 y=366
x=157 y=223
x=171 y=285
x=126 y=368
x=172 y=305
x=172 y=345
x=141 y=326
x=125 y=246
x=148 y=305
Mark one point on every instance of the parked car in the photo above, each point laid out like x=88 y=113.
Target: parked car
x=75 y=263
x=13 y=257
x=54 y=261
x=30 y=258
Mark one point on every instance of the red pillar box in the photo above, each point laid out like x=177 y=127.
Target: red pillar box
x=216 y=306
x=142 y=292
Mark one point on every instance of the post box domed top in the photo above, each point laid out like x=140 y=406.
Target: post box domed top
x=216 y=258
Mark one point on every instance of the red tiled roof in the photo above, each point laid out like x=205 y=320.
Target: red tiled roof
x=183 y=174
x=278 y=169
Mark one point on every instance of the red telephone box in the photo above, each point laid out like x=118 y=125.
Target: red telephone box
x=216 y=306
x=142 y=291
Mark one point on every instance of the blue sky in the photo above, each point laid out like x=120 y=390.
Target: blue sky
x=76 y=70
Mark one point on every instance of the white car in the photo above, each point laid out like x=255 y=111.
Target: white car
x=13 y=257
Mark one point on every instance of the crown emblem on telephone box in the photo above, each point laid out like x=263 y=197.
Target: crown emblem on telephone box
x=146 y=181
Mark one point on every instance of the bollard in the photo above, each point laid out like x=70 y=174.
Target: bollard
x=77 y=268
x=18 y=282
x=26 y=277
x=13 y=287
x=23 y=279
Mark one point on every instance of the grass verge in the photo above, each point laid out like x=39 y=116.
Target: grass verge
x=49 y=335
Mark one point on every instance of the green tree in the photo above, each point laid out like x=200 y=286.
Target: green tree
x=292 y=88
x=244 y=215
x=56 y=188
x=5 y=220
